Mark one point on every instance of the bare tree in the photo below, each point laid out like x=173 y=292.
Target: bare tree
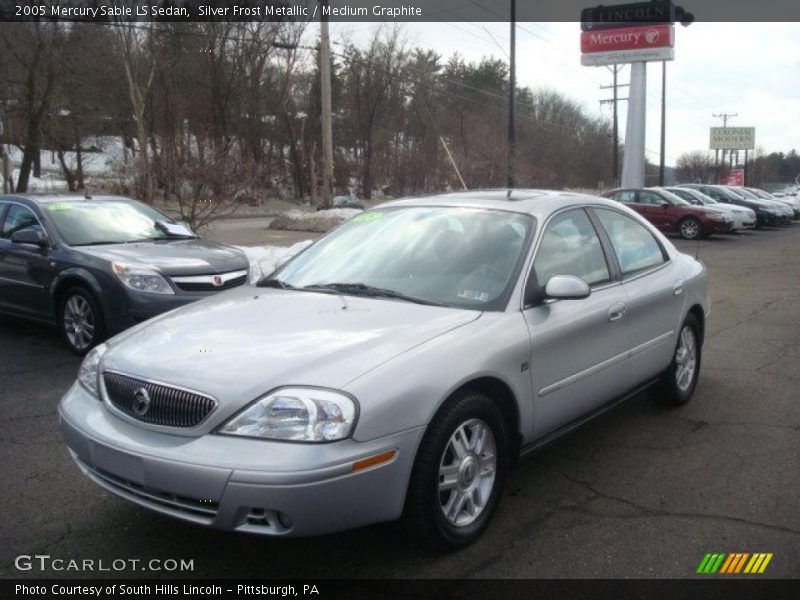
x=695 y=167
x=31 y=51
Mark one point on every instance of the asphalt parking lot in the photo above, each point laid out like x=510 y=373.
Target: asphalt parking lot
x=641 y=492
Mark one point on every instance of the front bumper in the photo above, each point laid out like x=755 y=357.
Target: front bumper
x=237 y=484
x=712 y=226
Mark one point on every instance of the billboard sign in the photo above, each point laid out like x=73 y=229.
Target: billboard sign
x=620 y=15
x=733 y=177
x=628 y=44
x=628 y=38
x=733 y=138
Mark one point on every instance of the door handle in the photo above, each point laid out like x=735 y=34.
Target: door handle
x=677 y=288
x=616 y=312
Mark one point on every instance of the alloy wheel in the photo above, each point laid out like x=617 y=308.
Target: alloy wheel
x=686 y=359
x=467 y=472
x=79 y=322
x=690 y=229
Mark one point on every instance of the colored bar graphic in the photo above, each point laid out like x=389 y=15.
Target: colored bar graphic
x=764 y=564
x=727 y=564
x=734 y=563
x=717 y=563
x=703 y=563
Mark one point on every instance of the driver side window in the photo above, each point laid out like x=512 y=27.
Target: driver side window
x=17 y=218
x=570 y=246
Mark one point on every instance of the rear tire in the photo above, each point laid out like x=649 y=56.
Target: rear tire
x=677 y=384
x=459 y=473
x=690 y=228
x=80 y=320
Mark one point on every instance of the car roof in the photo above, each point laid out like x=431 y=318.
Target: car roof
x=527 y=201
x=49 y=198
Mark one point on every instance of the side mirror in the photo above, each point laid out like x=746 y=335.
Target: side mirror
x=567 y=287
x=665 y=205
x=30 y=235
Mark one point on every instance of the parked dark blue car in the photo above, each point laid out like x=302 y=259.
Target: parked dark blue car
x=97 y=265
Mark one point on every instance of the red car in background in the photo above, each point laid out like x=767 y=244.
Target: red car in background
x=672 y=214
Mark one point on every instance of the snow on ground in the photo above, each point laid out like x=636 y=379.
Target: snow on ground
x=264 y=259
x=320 y=221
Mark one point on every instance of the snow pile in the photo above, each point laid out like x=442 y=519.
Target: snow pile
x=320 y=221
x=264 y=259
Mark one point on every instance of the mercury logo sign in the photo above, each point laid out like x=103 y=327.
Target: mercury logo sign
x=651 y=36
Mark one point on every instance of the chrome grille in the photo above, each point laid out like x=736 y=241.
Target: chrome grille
x=168 y=406
x=210 y=283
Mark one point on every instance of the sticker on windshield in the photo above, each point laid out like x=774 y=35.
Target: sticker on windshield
x=59 y=206
x=473 y=295
x=367 y=217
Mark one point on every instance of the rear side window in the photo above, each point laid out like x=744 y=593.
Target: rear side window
x=636 y=248
x=651 y=198
x=625 y=196
x=570 y=246
x=17 y=218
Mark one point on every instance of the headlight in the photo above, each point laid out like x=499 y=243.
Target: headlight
x=141 y=280
x=90 y=369
x=296 y=414
x=716 y=215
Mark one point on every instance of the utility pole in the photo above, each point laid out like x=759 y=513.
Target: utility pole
x=663 y=121
x=327 y=127
x=512 y=137
x=615 y=69
x=725 y=117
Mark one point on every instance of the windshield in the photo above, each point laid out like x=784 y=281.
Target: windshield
x=698 y=196
x=458 y=257
x=106 y=221
x=675 y=199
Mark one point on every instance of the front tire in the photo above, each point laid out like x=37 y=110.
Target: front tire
x=459 y=473
x=677 y=384
x=80 y=320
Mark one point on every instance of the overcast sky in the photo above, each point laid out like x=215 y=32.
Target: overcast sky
x=752 y=69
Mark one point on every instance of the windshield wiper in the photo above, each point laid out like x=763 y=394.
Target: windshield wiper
x=362 y=289
x=100 y=243
x=274 y=283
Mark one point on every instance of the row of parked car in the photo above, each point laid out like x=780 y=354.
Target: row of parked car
x=696 y=210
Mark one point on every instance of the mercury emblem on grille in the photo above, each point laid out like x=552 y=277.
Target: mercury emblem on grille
x=141 y=402
x=218 y=280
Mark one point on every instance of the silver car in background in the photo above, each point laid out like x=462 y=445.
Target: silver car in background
x=742 y=217
x=395 y=368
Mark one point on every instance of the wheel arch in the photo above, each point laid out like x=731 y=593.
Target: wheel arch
x=699 y=314
x=501 y=394
x=71 y=278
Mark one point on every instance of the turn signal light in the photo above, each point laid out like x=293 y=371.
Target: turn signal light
x=371 y=461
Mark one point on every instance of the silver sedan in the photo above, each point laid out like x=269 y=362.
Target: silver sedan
x=394 y=369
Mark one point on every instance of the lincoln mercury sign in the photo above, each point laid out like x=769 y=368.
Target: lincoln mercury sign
x=628 y=44
x=733 y=138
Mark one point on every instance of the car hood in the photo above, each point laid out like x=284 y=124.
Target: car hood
x=239 y=344
x=173 y=257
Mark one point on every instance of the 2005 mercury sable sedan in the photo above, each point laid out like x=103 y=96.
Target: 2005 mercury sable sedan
x=395 y=368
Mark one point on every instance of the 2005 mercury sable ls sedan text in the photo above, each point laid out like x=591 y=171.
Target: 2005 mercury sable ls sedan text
x=395 y=368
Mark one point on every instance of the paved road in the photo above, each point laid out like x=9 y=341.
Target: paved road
x=641 y=492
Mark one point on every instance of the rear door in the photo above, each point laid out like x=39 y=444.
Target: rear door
x=654 y=210
x=578 y=347
x=653 y=288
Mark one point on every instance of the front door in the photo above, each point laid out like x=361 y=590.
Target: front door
x=578 y=347
x=25 y=271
